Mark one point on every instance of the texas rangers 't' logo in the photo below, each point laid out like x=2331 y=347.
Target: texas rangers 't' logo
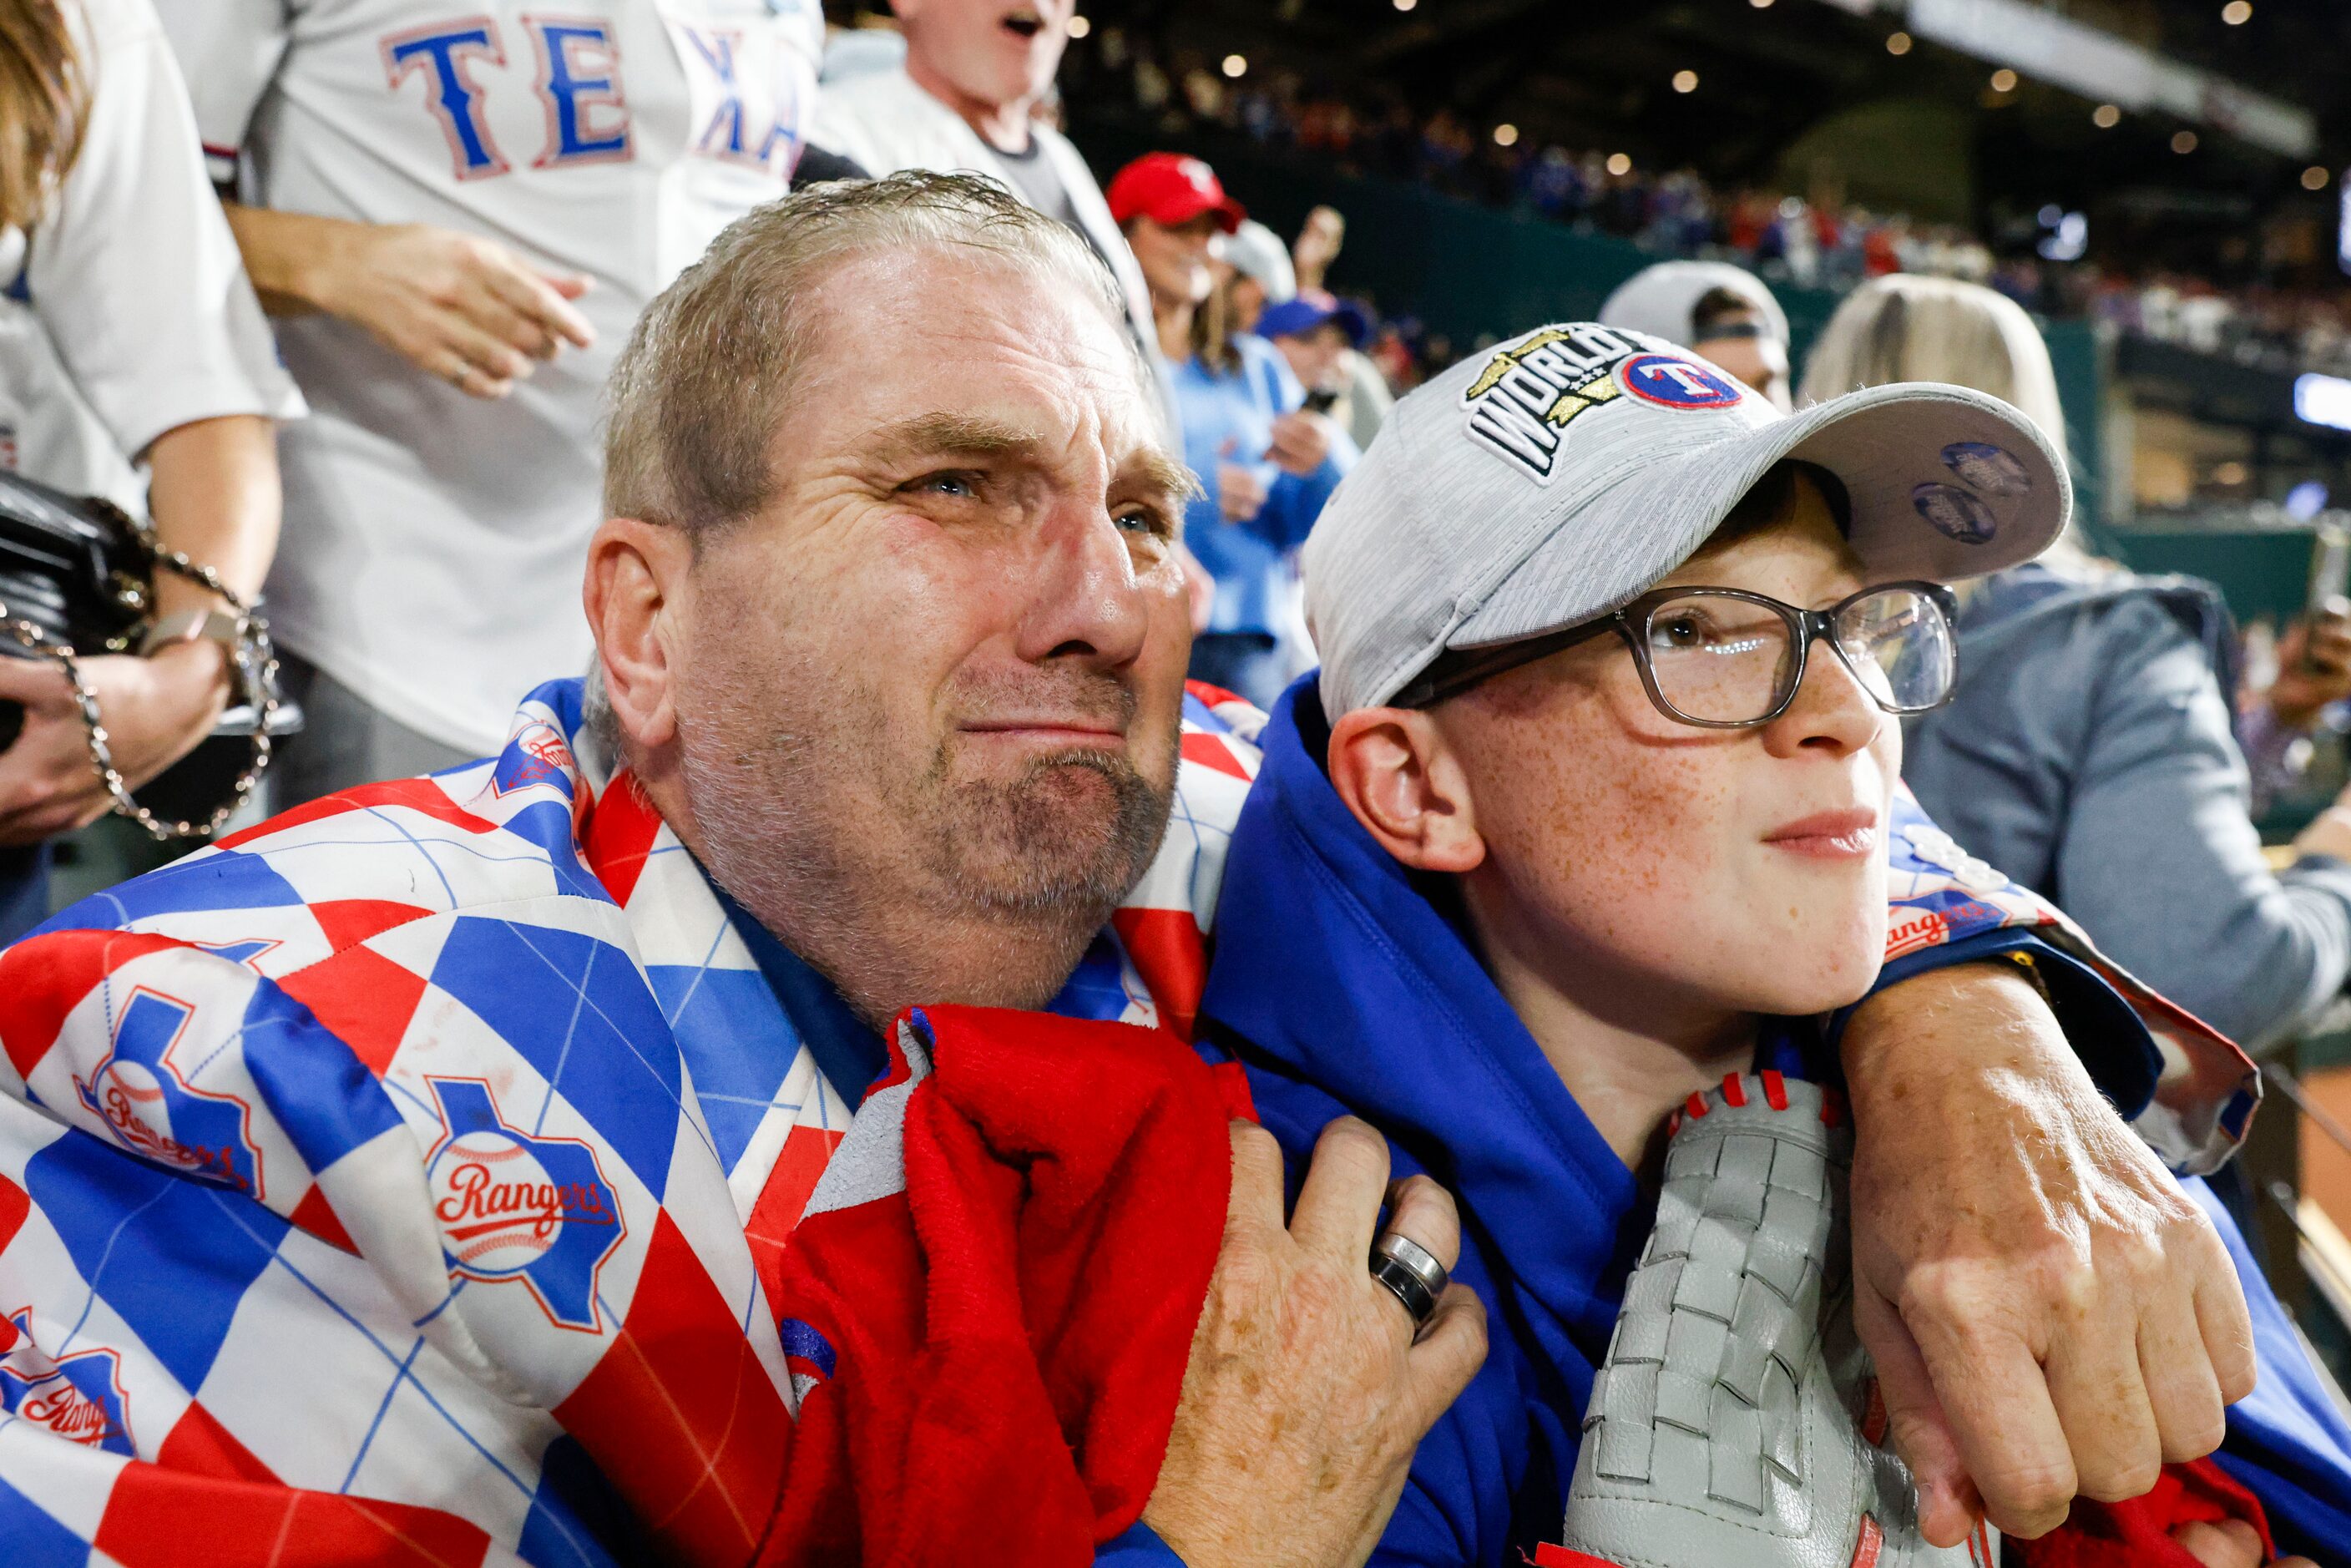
x=520 y=1205
x=78 y=1396
x=139 y=1088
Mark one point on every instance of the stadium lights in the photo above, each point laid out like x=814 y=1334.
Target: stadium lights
x=1898 y=43
x=2183 y=142
x=2314 y=178
x=1080 y=27
x=1761 y=5
x=1620 y=164
x=2323 y=399
x=1406 y=5
x=2106 y=116
x=1686 y=81
x=2237 y=13
x=2003 y=80
x=1236 y=67
x=1506 y=135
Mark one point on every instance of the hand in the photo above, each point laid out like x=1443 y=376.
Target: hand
x=2313 y=667
x=2232 y=1544
x=1317 y=246
x=1301 y=442
x=155 y=711
x=1240 y=493
x=2049 y=1313
x=1307 y=1391
x=467 y=310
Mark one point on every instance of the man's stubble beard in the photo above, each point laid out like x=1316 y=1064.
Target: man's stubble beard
x=902 y=886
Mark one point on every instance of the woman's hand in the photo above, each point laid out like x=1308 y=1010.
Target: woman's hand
x=154 y=710
x=1301 y=442
x=466 y=310
x=2232 y=1544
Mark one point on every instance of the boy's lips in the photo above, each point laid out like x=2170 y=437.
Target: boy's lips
x=1848 y=835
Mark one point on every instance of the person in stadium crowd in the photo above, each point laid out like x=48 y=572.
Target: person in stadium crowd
x=1265 y=463
x=134 y=365
x=2092 y=715
x=455 y=217
x=974 y=73
x=1320 y=336
x=1575 y=820
x=1262 y=274
x=1724 y=312
x=642 y=961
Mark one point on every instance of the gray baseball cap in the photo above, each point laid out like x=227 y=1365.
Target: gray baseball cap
x=1558 y=475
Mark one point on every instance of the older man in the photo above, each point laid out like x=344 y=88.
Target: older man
x=424 y=1165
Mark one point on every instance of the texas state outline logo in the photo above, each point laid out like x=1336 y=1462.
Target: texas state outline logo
x=521 y=1205
x=78 y=1396
x=142 y=1092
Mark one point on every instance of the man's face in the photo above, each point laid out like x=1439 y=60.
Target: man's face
x=1728 y=871
x=1317 y=357
x=995 y=52
x=1754 y=356
x=943 y=668
x=1178 y=260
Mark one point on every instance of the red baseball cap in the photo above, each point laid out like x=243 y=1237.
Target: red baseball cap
x=1171 y=189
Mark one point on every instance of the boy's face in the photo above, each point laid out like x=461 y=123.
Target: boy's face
x=1740 y=870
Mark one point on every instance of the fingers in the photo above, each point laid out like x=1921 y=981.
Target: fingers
x=1997 y=1401
x=2227 y=1544
x=2226 y=1327
x=1339 y=1207
x=1914 y=1423
x=2181 y=1391
x=38 y=683
x=2094 y=1384
x=1424 y=1212
x=1256 y=1200
x=540 y=310
x=1445 y=1357
x=476 y=362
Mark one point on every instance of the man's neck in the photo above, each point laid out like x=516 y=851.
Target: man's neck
x=1626 y=1051
x=1003 y=126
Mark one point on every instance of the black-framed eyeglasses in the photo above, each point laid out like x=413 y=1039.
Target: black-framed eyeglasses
x=1723 y=658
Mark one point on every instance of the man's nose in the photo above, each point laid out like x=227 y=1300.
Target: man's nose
x=1832 y=710
x=1085 y=601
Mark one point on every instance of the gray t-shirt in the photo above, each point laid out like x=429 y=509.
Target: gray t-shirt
x=1032 y=174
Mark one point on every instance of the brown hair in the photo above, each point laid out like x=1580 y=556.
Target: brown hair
x=694 y=396
x=44 y=93
x=1765 y=505
x=1212 y=330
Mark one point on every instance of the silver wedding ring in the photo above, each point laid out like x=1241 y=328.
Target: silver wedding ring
x=1412 y=1271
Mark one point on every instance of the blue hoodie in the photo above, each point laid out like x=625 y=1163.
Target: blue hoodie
x=1342 y=984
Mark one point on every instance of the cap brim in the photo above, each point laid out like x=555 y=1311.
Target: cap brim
x=1946 y=484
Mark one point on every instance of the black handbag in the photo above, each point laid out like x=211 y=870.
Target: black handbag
x=76 y=578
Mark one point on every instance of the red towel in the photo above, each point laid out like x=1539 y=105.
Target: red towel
x=991 y=1348
x=2137 y=1534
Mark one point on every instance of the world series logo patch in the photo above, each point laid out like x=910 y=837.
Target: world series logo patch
x=1529 y=391
x=521 y=1205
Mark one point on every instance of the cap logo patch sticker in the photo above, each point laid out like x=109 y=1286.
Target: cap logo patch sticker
x=1986 y=469
x=1530 y=391
x=1955 y=513
x=1669 y=383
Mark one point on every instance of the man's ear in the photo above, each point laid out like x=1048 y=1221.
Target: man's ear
x=635 y=595
x=1395 y=771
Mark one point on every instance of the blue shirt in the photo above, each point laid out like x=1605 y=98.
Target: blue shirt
x=1228 y=417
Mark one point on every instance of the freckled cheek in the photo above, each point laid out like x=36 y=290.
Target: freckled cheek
x=1628 y=838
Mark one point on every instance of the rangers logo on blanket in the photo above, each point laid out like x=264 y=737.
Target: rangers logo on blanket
x=139 y=1091
x=78 y=1396
x=514 y=1206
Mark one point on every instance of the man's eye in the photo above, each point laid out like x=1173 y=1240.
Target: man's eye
x=1145 y=522
x=956 y=485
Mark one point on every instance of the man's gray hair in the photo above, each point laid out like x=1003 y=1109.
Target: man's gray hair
x=694 y=396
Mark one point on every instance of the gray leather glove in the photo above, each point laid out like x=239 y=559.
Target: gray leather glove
x=1735 y=1420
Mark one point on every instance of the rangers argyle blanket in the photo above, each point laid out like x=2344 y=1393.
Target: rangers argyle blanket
x=410 y=1178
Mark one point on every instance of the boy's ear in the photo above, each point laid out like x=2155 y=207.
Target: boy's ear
x=1395 y=771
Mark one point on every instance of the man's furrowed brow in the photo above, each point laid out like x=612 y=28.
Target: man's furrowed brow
x=1156 y=470
x=946 y=435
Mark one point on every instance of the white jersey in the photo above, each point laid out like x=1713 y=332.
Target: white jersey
x=433 y=541
x=126 y=312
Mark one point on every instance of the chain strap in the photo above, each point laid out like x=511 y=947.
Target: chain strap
x=255 y=662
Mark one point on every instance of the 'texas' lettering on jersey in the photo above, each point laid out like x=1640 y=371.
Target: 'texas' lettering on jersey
x=1530 y=391
x=580 y=86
